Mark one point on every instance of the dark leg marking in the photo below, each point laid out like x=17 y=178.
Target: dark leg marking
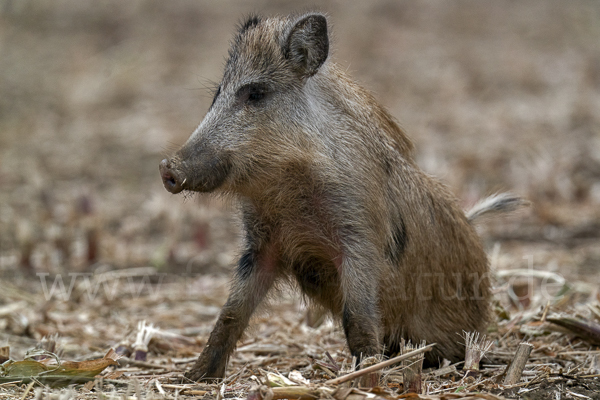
x=397 y=243
x=245 y=265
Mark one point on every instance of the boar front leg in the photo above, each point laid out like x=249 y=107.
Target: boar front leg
x=360 y=315
x=249 y=287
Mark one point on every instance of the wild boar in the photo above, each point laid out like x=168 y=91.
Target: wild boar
x=331 y=198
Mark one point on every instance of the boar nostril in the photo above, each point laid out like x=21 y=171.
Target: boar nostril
x=169 y=177
x=169 y=180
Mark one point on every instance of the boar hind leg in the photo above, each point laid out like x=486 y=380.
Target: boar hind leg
x=249 y=287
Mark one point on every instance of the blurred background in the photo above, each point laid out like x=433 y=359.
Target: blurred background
x=497 y=96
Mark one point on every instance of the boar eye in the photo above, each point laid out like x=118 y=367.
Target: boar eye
x=252 y=93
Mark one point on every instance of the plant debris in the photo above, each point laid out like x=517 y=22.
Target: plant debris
x=56 y=372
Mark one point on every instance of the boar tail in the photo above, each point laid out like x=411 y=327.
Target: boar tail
x=498 y=203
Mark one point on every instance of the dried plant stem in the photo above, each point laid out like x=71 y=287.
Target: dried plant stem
x=295 y=392
x=545 y=313
x=412 y=377
x=411 y=374
x=287 y=392
x=515 y=370
x=379 y=366
x=475 y=349
x=372 y=379
x=27 y=390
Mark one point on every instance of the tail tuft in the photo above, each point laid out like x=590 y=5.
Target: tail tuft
x=498 y=203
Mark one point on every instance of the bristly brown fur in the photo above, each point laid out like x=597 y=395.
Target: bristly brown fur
x=251 y=21
x=331 y=197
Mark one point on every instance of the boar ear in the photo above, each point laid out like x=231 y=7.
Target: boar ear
x=307 y=44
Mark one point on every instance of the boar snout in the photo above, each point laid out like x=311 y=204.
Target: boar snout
x=201 y=170
x=172 y=180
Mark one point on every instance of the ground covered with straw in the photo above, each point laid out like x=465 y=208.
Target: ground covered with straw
x=95 y=255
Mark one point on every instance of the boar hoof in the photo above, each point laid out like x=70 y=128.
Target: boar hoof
x=197 y=375
x=200 y=372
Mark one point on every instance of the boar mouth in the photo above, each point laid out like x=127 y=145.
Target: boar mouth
x=206 y=177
